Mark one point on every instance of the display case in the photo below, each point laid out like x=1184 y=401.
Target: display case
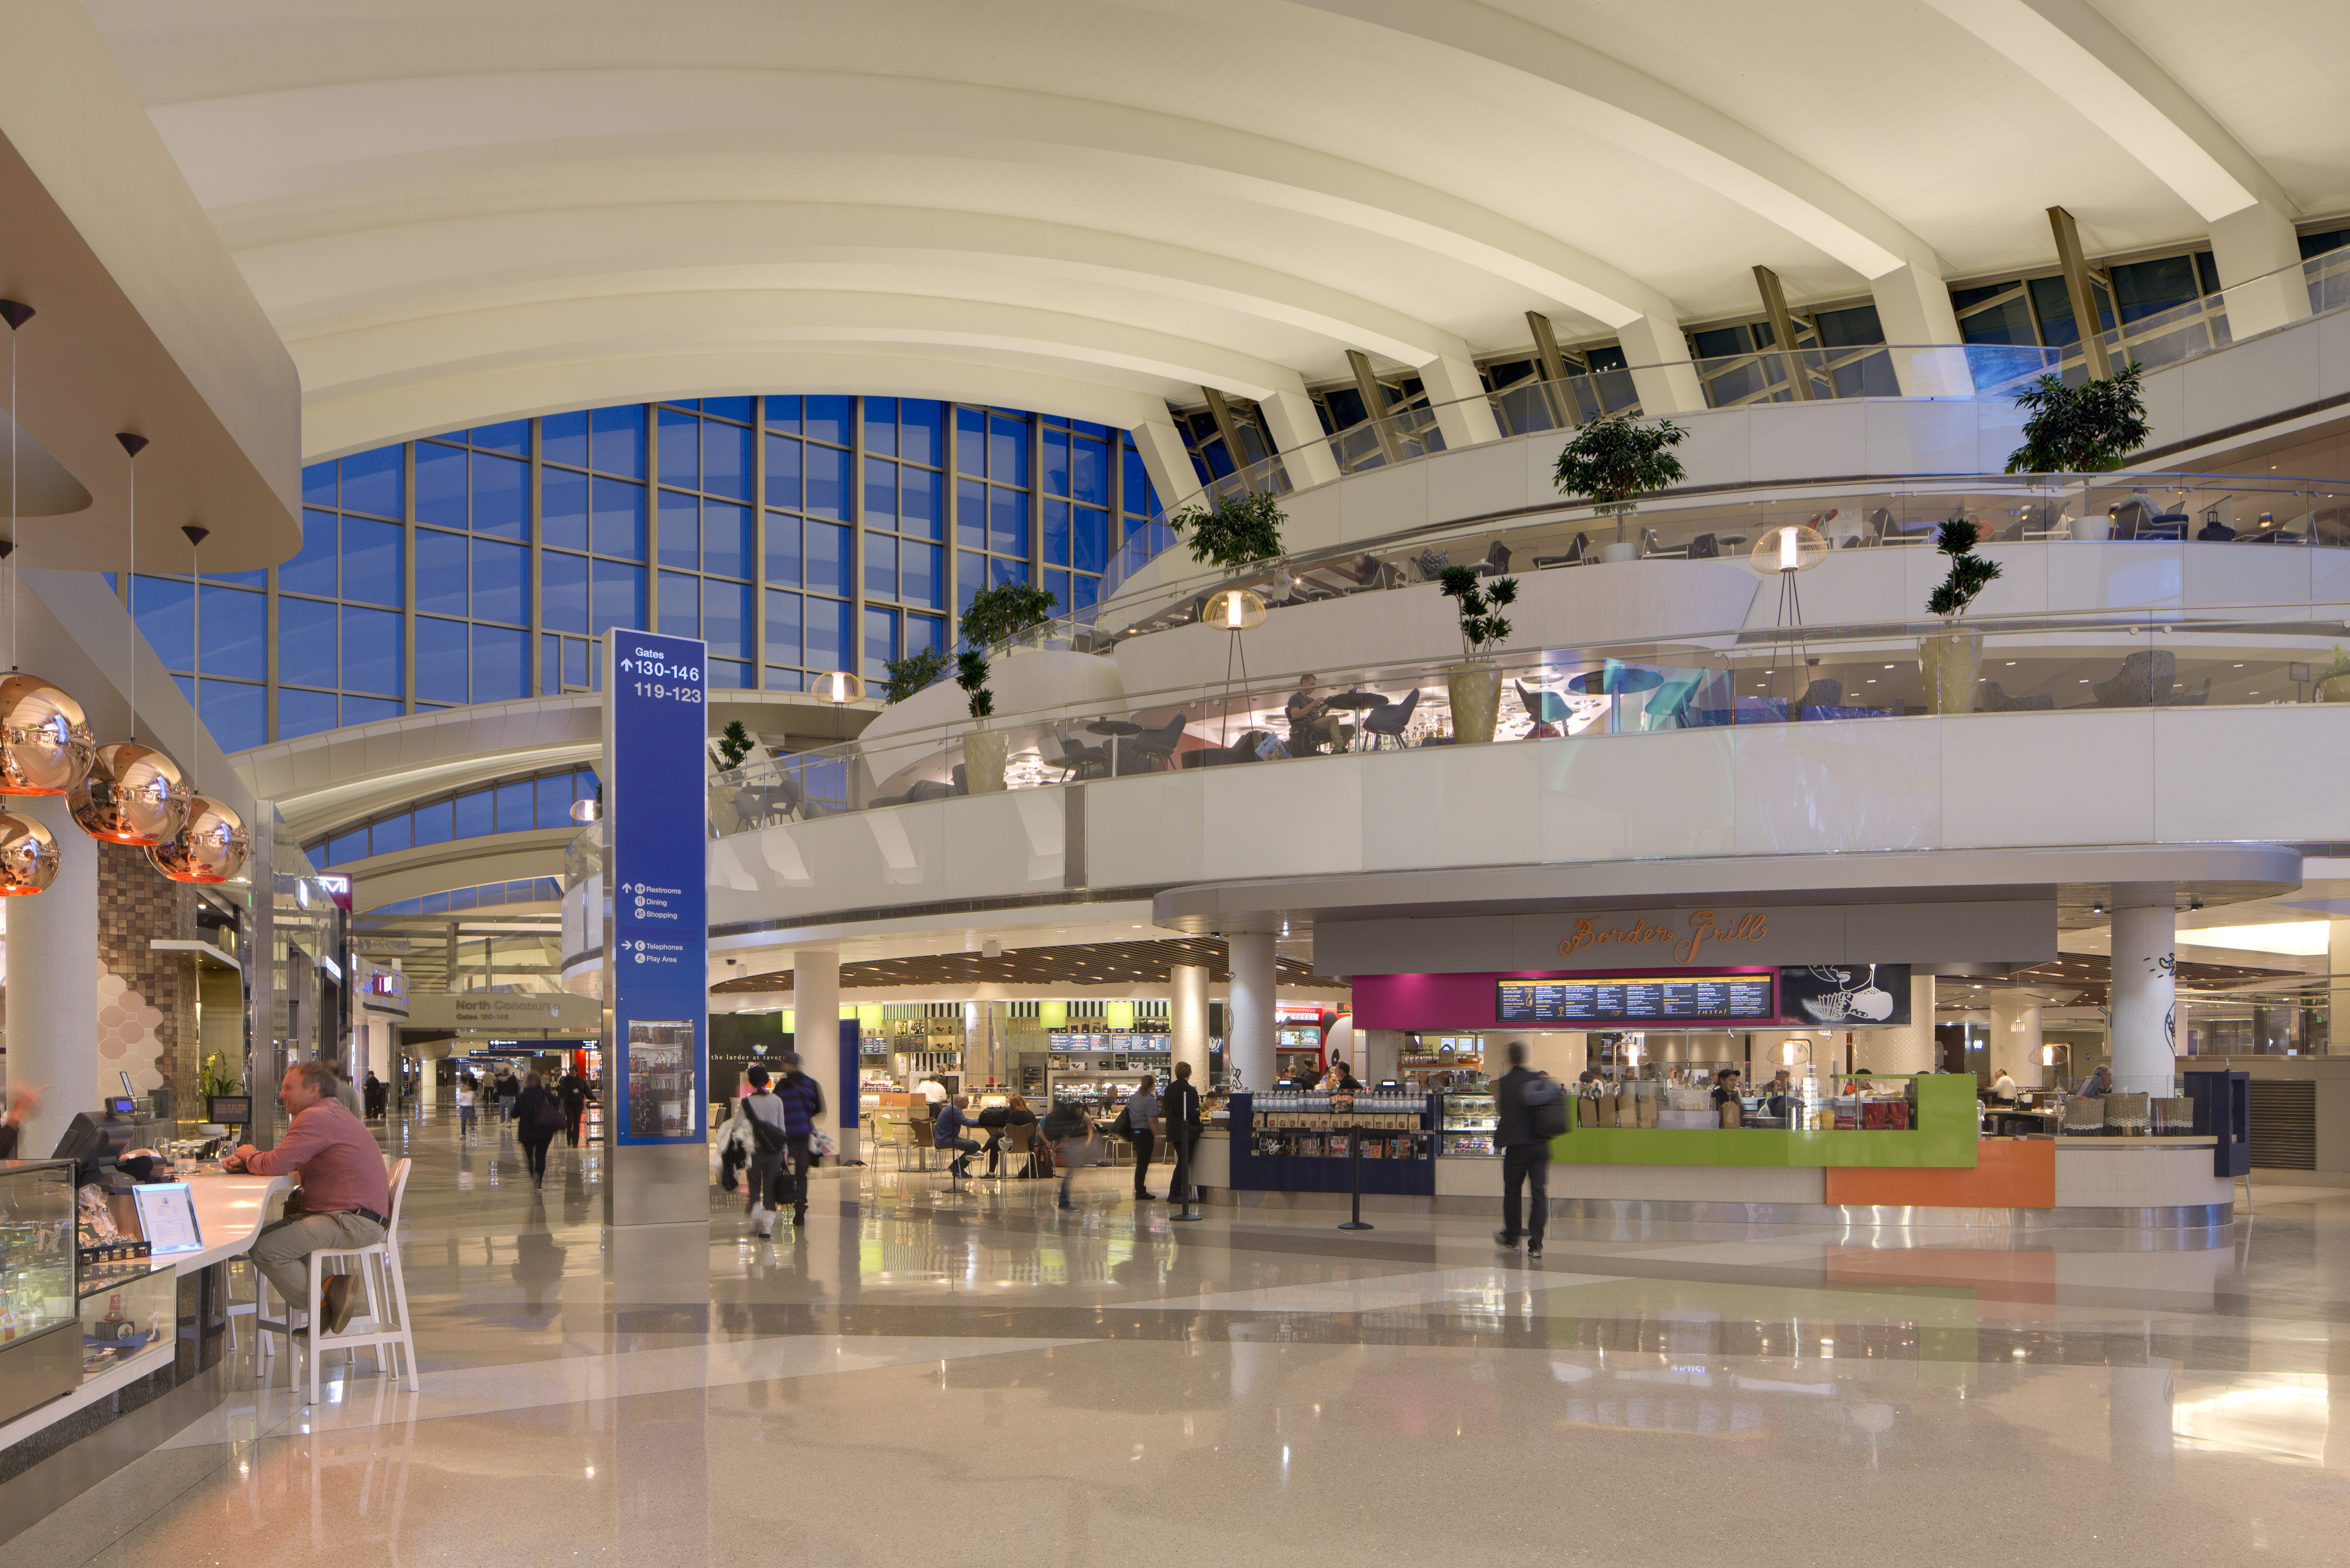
x=40 y=1271
x=1468 y=1124
x=125 y=1309
x=1299 y=1141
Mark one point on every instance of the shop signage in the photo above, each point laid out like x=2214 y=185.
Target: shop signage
x=501 y=1012
x=1680 y=940
x=1665 y=1002
x=1699 y=938
x=656 y=958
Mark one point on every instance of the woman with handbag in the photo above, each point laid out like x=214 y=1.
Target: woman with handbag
x=538 y=1117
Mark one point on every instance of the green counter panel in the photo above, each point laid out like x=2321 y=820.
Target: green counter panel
x=1945 y=1135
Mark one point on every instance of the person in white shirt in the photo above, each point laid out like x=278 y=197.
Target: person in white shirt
x=464 y=1104
x=2003 y=1087
x=935 y=1093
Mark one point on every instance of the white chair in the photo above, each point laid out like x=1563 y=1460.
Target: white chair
x=271 y=1211
x=382 y=1322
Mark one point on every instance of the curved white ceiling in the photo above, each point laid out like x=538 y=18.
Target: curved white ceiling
x=460 y=212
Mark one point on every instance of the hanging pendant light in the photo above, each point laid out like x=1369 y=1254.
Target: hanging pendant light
x=213 y=843
x=28 y=856
x=133 y=793
x=45 y=740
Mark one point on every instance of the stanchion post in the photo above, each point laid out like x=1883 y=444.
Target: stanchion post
x=1355 y=1171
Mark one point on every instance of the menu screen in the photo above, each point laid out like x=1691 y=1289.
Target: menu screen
x=1692 y=999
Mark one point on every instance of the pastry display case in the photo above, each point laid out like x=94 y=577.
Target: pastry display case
x=1468 y=1124
x=40 y=1273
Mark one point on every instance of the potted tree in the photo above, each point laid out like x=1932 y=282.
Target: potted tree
x=1951 y=660
x=734 y=743
x=993 y=618
x=2334 y=681
x=2086 y=428
x=917 y=671
x=1237 y=531
x=1475 y=683
x=1615 y=460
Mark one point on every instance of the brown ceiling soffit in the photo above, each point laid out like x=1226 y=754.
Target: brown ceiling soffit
x=1090 y=963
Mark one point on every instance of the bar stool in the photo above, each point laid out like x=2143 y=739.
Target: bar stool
x=377 y=1271
x=1019 y=1140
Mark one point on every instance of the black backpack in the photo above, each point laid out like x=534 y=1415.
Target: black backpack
x=1546 y=1106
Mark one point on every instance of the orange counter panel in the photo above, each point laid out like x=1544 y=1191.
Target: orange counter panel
x=2007 y=1174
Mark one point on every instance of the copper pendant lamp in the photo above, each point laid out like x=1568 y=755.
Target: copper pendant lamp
x=28 y=856
x=212 y=845
x=45 y=741
x=134 y=793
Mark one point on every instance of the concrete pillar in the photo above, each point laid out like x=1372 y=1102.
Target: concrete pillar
x=2337 y=1014
x=52 y=968
x=2015 y=1038
x=1186 y=1021
x=1249 y=1015
x=1296 y=428
x=1913 y=307
x=2144 y=989
x=1661 y=372
x=1167 y=463
x=2259 y=260
x=1457 y=396
x=1908 y=1049
x=816 y=1036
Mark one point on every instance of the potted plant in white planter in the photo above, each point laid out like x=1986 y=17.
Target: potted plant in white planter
x=2334 y=681
x=1951 y=660
x=1613 y=461
x=1475 y=683
x=993 y=618
x=2087 y=429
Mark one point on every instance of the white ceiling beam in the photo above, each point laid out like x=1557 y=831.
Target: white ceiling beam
x=2081 y=57
x=325 y=142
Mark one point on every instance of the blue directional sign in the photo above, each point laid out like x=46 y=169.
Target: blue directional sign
x=656 y=1064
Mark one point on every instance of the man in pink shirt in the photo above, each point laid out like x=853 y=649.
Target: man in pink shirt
x=345 y=1196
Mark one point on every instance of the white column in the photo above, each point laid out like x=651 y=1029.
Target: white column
x=1382 y=1054
x=53 y=983
x=2015 y=1038
x=1913 y=307
x=816 y=1036
x=1249 y=1015
x=1457 y=396
x=1169 y=465
x=1661 y=372
x=2145 y=991
x=1296 y=428
x=2259 y=243
x=2337 y=1014
x=1186 y=1021
x=1908 y=1049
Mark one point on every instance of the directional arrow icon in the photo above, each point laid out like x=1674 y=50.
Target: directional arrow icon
x=626 y=664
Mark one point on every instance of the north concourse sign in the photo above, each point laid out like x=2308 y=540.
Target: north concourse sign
x=656 y=958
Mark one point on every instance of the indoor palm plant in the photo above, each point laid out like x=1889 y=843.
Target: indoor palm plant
x=1951 y=660
x=1615 y=460
x=2334 y=681
x=2086 y=428
x=1475 y=683
x=993 y=618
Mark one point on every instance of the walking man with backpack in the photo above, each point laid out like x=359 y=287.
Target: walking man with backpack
x=801 y=1098
x=1531 y=1110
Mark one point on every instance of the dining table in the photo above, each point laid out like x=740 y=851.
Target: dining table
x=1357 y=703
x=1117 y=730
x=1617 y=681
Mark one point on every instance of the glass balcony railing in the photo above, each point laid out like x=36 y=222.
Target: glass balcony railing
x=1420 y=429
x=1705 y=680
x=2146 y=507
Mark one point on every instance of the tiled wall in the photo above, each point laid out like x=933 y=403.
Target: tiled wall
x=135 y=906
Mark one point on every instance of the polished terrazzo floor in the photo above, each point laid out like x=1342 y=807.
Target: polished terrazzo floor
x=965 y=1375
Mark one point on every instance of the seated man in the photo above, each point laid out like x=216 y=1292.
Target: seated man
x=344 y=1199
x=1312 y=725
x=948 y=1134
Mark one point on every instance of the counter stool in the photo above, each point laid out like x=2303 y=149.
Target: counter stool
x=382 y=1322
x=271 y=1211
x=1019 y=1141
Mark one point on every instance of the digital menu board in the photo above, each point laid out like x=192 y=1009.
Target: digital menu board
x=1662 y=1003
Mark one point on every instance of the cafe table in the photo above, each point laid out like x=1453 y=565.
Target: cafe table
x=1617 y=681
x=1357 y=703
x=1117 y=730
